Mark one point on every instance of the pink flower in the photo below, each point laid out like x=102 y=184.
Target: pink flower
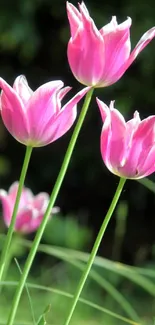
x=36 y=118
x=31 y=208
x=100 y=57
x=127 y=148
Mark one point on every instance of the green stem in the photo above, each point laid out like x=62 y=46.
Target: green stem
x=53 y=197
x=95 y=247
x=15 y=210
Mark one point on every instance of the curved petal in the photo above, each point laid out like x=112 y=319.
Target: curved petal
x=13 y=112
x=86 y=51
x=117 y=50
x=148 y=167
x=144 y=41
x=142 y=141
x=62 y=122
x=41 y=108
x=104 y=109
x=117 y=139
x=7 y=207
x=22 y=89
x=74 y=18
x=114 y=131
x=40 y=202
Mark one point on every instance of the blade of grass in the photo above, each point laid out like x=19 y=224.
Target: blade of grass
x=106 y=285
x=69 y=295
x=28 y=293
x=117 y=296
x=118 y=268
x=99 y=261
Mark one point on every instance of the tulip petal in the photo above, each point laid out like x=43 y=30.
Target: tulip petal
x=144 y=41
x=142 y=141
x=13 y=112
x=86 y=50
x=117 y=50
x=148 y=167
x=41 y=201
x=112 y=137
x=41 y=107
x=62 y=122
x=74 y=18
x=104 y=109
x=22 y=88
x=7 y=207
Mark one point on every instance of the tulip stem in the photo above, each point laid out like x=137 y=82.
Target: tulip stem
x=53 y=197
x=8 y=239
x=95 y=248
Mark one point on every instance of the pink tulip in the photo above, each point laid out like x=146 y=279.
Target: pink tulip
x=31 y=208
x=127 y=148
x=36 y=118
x=100 y=57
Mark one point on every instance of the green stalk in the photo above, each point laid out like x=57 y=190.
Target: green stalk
x=15 y=210
x=95 y=248
x=53 y=197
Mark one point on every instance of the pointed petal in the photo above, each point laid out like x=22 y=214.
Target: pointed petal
x=63 y=121
x=117 y=139
x=86 y=51
x=144 y=41
x=42 y=107
x=110 y=27
x=22 y=89
x=117 y=49
x=13 y=112
x=113 y=138
x=74 y=18
x=142 y=140
x=104 y=109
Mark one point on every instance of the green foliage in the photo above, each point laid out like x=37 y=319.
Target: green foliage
x=66 y=232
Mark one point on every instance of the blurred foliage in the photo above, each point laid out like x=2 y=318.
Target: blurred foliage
x=33 y=42
x=53 y=281
x=66 y=233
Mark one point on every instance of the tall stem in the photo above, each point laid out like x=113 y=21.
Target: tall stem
x=15 y=210
x=49 y=208
x=95 y=248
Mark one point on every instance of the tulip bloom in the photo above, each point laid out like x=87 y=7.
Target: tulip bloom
x=127 y=148
x=36 y=118
x=99 y=58
x=31 y=208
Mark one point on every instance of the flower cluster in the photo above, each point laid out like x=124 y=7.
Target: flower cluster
x=97 y=58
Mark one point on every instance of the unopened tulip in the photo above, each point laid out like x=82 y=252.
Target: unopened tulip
x=37 y=118
x=127 y=148
x=30 y=211
x=100 y=57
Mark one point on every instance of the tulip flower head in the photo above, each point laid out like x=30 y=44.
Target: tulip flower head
x=37 y=118
x=127 y=148
x=99 y=58
x=31 y=208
